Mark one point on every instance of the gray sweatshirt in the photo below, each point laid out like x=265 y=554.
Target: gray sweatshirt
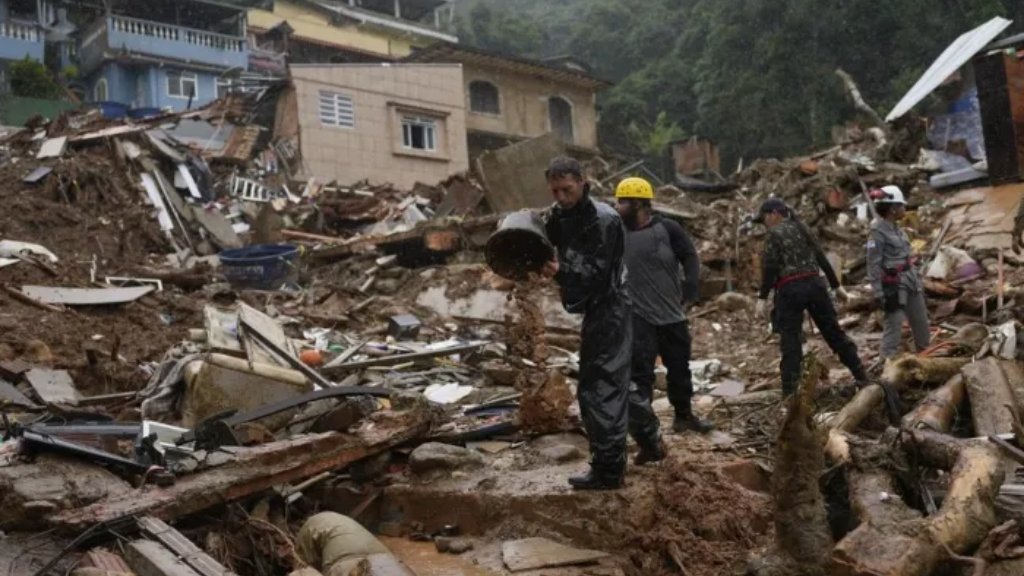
x=653 y=258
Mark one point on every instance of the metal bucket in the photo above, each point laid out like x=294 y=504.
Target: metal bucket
x=519 y=246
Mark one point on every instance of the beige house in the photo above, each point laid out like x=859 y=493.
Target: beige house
x=510 y=99
x=397 y=123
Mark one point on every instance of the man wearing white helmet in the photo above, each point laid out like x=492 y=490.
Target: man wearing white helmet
x=894 y=280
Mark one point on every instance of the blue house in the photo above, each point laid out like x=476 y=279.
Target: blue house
x=162 y=53
x=21 y=30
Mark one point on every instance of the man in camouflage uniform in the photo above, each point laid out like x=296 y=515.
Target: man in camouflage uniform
x=791 y=265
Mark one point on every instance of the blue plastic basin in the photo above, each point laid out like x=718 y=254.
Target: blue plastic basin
x=260 y=267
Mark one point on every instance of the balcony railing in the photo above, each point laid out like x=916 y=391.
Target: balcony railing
x=15 y=31
x=20 y=40
x=176 y=34
x=161 y=40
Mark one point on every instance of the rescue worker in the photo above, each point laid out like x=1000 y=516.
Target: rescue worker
x=792 y=262
x=589 y=242
x=655 y=249
x=894 y=281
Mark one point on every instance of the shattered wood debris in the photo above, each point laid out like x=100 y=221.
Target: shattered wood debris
x=385 y=359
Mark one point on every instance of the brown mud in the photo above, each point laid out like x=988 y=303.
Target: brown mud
x=547 y=397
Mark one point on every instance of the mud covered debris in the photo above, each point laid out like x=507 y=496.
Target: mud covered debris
x=546 y=396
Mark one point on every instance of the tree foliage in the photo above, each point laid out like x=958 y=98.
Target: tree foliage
x=494 y=27
x=31 y=79
x=756 y=76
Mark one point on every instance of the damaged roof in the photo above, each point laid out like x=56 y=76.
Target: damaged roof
x=952 y=59
x=462 y=54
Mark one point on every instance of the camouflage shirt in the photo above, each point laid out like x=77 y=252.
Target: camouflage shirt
x=791 y=250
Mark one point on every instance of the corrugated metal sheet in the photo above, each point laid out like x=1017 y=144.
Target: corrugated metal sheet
x=956 y=55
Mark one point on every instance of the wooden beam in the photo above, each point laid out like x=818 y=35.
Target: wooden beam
x=253 y=470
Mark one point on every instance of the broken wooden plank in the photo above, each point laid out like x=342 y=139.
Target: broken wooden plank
x=9 y=395
x=255 y=469
x=537 y=553
x=13 y=369
x=402 y=358
x=53 y=386
x=182 y=547
x=86 y=296
x=148 y=558
x=268 y=328
x=285 y=356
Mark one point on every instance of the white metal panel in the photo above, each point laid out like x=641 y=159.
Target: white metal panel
x=956 y=55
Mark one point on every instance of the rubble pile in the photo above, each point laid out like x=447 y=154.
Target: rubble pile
x=202 y=348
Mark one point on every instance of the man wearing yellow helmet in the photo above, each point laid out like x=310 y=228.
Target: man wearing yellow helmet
x=656 y=248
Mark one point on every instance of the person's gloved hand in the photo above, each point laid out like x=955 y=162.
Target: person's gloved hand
x=761 y=310
x=842 y=294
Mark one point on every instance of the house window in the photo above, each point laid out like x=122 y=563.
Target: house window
x=560 y=115
x=483 y=97
x=101 y=92
x=182 y=84
x=419 y=133
x=336 y=110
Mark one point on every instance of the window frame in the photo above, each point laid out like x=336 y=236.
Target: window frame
x=335 y=119
x=571 y=137
x=106 y=91
x=182 y=77
x=430 y=131
x=497 y=98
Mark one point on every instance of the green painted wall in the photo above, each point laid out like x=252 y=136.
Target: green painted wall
x=15 y=110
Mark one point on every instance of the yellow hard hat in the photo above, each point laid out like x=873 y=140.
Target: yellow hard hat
x=635 y=188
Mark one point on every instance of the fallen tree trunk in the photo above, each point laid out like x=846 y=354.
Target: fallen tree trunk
x=253 y=470
x=938 y=410
x=849 y=419
x=991 y=397
x=888 y=545
x=907 y=369
x=900 y=373
x=802 y=535
x=869 y=503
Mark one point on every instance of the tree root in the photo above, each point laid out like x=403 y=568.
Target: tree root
x=802 y=536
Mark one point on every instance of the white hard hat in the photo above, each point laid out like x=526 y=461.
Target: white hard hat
x=892 y=195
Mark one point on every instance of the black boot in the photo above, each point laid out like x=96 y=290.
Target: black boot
x=598 y=478
x=649 y=455
x=686 y=421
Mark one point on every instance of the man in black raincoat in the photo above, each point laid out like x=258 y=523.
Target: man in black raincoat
x=589 y=239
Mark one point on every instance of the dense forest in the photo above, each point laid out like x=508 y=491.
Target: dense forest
x=757 y=76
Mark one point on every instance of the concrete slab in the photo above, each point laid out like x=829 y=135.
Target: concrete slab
x=536 y=553
x=514 y=176
x=53 y=386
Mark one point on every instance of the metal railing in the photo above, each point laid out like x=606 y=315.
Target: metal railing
x=176 y=33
